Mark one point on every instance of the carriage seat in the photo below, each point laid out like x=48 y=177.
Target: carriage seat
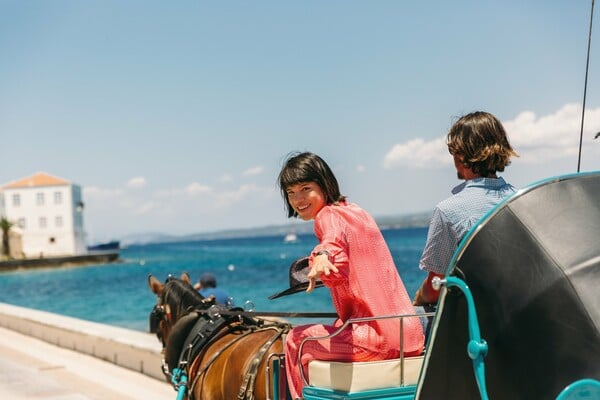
x=383 y=379
x=365 y=375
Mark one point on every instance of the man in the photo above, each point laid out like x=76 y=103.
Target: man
x=207 y=286
x=480 y=148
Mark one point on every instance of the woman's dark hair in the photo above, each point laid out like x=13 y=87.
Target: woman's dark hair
x=308 y=167
x=481 y=141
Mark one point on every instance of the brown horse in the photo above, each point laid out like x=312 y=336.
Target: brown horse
x=222 y=353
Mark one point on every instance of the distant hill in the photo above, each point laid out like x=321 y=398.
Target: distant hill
x=384 y=222
x=419 y=220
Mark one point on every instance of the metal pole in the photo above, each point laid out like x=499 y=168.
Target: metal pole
x=587 y=65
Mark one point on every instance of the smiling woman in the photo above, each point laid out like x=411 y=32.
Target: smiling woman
x=306 y=199
x=352 y=259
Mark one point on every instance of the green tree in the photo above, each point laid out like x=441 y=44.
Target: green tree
x=5 y=226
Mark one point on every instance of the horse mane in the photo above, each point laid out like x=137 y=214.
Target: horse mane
x=181 y=298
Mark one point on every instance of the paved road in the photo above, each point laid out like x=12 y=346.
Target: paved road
x=31 y=369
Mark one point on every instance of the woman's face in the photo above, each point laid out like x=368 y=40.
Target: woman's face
x=307 y=199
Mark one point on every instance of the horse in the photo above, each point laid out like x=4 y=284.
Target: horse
x=213 y=351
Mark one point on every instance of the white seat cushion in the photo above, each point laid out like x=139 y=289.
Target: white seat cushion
x=359 y=376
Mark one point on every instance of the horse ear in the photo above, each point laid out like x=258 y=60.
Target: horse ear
x=186 y=278
x=155 y=285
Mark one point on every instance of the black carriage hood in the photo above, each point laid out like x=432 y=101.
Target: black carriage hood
x=533 y=266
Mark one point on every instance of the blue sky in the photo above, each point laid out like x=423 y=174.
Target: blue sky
x=175 y=117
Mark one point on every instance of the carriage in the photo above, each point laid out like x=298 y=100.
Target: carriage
x=518 y=317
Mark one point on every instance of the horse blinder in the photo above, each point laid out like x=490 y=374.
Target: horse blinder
x=159 y=313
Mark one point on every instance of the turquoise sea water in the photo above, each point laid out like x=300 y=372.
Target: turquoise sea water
x=250 y=269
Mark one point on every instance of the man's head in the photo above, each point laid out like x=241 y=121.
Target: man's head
x=479 y=143
x=208 y=280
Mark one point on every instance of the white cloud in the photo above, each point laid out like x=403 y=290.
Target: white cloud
x=253 y=171
x=227 y=199
x=194 y=199
x=225 y=178
x=418 y=153
x=536 y=139
x=144 y=208
x=195 y=188
x=360 y=168
x=137 y=182
x=554 y=136
x=111 y=199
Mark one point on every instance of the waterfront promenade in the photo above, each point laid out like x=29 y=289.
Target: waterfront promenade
x=44 y=356
x=33 y=369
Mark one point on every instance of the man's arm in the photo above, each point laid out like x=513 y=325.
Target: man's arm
x=426 y=294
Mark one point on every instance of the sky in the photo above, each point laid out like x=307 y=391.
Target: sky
x=176 y=117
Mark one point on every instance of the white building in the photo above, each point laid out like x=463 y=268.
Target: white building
x=48 y=212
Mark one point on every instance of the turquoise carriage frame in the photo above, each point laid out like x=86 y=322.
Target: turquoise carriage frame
x=519 y=310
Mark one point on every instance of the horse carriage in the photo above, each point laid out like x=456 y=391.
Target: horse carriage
x=518 y=318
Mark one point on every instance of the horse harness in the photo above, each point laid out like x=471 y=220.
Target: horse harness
x=210 y=326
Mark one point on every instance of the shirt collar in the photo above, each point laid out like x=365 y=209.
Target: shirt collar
x=479 y=182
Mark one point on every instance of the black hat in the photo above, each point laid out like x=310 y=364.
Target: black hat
x=298 y=279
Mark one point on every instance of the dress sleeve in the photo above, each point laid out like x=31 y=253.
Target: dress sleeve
x=329 y=229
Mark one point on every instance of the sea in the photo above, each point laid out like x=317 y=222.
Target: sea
x=250 y=269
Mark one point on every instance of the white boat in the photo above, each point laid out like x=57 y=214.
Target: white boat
x=290 y=238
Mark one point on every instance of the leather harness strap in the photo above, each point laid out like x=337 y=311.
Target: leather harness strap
x=250 y=375
x=198 y=373
x=247 y=387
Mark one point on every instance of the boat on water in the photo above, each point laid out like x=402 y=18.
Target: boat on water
x=290 y=238
x=106 y=247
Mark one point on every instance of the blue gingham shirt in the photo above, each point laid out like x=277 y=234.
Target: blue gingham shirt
x=453 y=217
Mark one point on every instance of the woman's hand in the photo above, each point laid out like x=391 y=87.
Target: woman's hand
x=320 y=265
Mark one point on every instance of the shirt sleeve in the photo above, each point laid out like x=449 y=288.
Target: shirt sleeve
x=329 y=229
x=440 y=245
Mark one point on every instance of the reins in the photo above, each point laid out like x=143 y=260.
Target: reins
x=255 y=314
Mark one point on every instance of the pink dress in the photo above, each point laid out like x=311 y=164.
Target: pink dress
x=367 y=284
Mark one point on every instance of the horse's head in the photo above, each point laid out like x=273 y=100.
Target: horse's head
x=175 y=299
x=174 y=314
x=198 y=337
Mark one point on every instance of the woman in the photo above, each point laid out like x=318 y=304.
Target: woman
x=354 y=262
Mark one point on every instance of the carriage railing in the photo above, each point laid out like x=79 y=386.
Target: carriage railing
x=477 y=347
x=351 y=321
